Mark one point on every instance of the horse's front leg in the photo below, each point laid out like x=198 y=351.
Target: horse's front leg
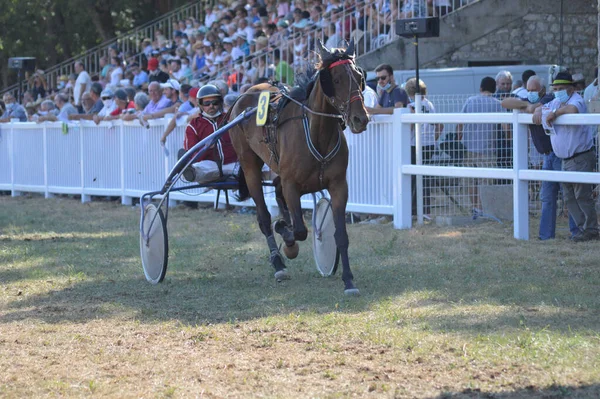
x=292 y=198
x=252 y=172
x=339 y=199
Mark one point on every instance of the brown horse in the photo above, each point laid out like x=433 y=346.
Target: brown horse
x=307 y=150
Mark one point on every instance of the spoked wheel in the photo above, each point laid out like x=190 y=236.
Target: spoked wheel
x=325 y=250
x=154 y=244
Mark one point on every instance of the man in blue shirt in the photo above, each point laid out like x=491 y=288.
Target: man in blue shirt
x=390 y=95
x=536 y=96
x=13 y=110
x=139 y=76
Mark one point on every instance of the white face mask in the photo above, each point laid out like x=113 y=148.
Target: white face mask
x=43 y=113
x=107 y=103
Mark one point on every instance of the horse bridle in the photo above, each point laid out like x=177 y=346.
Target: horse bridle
x=344 y=108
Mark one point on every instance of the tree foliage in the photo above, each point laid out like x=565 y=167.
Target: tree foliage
x=55 y=30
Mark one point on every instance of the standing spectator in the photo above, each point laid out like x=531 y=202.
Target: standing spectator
x=333 y=38
x=536 y=97
x=574 y=144
x=592 y=89
x=38 y=85
x=140 y=77
x=503 y=85
x=390 y=95
x=62 y=103
x=104 y=68
x=430 y=134
x=13 y=110
x=480 y=138
x=82 y=84
x=521 y=92
x=156 y=75
x=116 y=73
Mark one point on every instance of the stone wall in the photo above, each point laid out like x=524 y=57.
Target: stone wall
x=525 y=31
x=534 y=39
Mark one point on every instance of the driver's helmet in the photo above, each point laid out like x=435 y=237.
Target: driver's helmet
x=208 y=91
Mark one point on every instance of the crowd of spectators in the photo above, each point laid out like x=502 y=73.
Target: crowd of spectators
x=238 y=43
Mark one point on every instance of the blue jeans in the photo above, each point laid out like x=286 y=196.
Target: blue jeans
x=549 y=195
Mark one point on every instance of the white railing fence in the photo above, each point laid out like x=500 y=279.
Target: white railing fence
x=125 y=159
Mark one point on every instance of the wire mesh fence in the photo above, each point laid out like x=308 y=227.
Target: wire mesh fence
x=480 y=145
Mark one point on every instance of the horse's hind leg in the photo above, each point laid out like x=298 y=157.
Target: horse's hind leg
x=339 y=199
x=252 y=171
x=283 y=226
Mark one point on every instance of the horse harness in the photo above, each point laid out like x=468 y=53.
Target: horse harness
x=283 y=98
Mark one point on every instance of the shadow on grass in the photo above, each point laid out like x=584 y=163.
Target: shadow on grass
x=213 y=297
x=530 y=392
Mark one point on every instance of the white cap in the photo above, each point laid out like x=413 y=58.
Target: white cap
x=206 y=43
x=171 y=84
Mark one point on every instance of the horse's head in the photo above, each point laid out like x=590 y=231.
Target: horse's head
x=343 y=84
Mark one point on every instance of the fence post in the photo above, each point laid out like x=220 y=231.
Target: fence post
x=84 y=197
x=402 y=184
x=11 y=154
x=520 y=187
x=125 y=200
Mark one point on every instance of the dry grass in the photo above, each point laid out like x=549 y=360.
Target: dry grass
x=467 y=312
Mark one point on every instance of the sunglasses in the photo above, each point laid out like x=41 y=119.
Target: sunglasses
x=382 y=77
x=213 y=102
x=106 y=98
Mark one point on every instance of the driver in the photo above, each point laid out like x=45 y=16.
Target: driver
x=206 y=169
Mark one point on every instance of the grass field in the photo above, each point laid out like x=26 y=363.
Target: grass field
x=444 y=312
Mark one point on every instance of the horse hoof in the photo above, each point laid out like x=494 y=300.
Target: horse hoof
x=352 y=292
x=281 y=275
x=291 y=252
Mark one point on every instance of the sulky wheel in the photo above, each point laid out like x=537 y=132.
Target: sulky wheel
x=325 y=250
x=154 y=244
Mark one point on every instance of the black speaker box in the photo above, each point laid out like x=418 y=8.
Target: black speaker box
x=23 y=63
x=420 y=27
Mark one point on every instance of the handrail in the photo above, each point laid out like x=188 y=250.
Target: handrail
x=92 y=56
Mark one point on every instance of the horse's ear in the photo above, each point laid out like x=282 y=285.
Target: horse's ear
x=321 y=49
x=350 y=48
x=326 y=84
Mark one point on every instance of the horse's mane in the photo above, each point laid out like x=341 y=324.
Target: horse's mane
x=306 y=78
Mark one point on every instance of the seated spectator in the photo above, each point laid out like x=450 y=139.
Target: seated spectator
x=390 y=95
x=13 y=110
x=107 y=97
x=104 y=68
x=123 y=106
x=141 y=101
x=62 y=103
x=140 y=77
x=97 y=104
x=283 y=71
x=158 y=102
x=46 y=107
x=156 y=75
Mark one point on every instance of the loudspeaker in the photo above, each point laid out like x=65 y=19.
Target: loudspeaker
x=22 y=63
x=420 y=27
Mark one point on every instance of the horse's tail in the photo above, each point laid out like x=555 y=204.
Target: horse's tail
x=243 y=191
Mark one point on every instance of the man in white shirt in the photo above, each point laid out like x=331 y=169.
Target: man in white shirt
x=82 y=84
